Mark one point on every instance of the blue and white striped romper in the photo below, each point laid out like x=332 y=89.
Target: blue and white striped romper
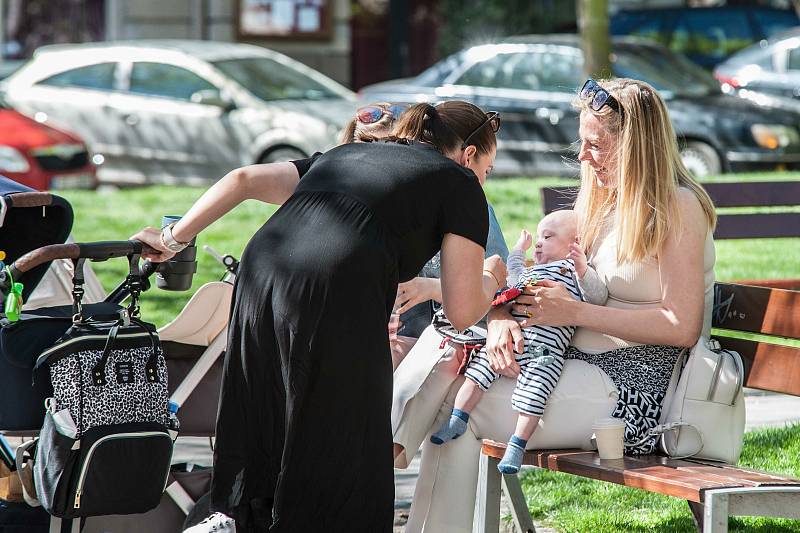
x=536 y=380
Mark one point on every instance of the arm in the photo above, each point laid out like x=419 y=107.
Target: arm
x=467 y=284
x=272 y=183
x=592 y=287
x=679 y=318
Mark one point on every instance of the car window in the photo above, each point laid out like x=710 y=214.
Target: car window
x=772 y=22
x=533 y=71
x=716 y=33
x=99 y=76
x=753 y=55
x=670 y=74
x=793 y=59
x=270 y=80
x=641 y=24
x=169 y=81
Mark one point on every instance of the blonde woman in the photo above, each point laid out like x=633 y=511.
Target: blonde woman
x=647 y=227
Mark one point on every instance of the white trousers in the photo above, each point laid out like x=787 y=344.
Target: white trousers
x=425 y=384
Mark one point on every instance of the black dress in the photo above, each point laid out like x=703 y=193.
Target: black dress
x=303 y=432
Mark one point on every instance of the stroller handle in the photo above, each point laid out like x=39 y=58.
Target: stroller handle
x=95 y=251
x=30 y=199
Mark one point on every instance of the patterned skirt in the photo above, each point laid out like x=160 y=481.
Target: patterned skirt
x=641 y=374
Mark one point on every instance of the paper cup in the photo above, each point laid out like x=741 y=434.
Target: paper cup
x=609 y=433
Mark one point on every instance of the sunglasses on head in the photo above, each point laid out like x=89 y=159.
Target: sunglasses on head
x=492 y=118
x=598 y=97
x=373 y=113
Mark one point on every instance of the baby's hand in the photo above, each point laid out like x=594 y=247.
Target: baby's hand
x=577 y=254
x=525 y=241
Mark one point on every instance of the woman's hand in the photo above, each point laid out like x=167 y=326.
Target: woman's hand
x=547 y=303
x=152 y=238
x=504 y=337
x=416 y=291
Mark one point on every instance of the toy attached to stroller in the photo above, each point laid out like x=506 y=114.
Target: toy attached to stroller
x=33 y=227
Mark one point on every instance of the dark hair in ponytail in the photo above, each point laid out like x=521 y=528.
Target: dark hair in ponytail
x=445 y=126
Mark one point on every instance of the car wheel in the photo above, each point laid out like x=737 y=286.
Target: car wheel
x=700 y=159
x=282 y=154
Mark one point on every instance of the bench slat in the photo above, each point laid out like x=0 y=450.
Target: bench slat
x=757 y=225
x=674 y=477
x=754 y=193
x=739 y=194
x=767 y=366
x=756 y=310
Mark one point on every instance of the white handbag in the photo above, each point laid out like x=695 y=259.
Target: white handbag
x=704 y=416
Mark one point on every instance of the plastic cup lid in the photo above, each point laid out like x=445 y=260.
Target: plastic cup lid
x=604 y=423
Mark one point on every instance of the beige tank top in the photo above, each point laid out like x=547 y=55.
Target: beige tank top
x=635 y=286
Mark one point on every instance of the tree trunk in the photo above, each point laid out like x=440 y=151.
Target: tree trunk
x=595 y=41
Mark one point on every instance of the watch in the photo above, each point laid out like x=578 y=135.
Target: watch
x=168 y=240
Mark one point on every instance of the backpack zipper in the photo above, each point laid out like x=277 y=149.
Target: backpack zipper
x=84 y=467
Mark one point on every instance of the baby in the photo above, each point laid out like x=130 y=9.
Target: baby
x=559 y=257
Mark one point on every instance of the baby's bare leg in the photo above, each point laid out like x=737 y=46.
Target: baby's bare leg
x=467 y=398
x=512 y=459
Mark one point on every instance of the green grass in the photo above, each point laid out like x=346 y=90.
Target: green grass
x=575 y=504
x=568 y=503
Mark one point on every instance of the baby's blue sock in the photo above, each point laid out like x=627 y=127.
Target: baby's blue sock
x=512 y=459
x=455 y=426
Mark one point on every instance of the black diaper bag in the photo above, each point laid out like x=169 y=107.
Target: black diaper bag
x=105 y=446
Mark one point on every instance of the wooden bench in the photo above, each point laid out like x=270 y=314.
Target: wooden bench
x=713 y=490
x=773 y=224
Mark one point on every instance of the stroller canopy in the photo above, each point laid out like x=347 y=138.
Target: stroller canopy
x=28 y=220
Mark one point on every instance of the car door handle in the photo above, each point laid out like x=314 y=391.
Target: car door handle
x=130 y=119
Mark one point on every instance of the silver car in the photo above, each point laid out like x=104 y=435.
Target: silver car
x=767 y=72
x=181 y=111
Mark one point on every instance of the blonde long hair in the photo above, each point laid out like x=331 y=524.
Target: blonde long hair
x=649 y=173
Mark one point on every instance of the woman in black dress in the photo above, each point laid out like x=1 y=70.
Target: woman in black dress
x=303 y=430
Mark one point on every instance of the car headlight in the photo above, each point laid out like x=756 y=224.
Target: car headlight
x=12 y=160
x=774 y=136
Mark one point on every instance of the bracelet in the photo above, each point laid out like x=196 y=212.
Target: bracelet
x=169 y=241
x=492 y=274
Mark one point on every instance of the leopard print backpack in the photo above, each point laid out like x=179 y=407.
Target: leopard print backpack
x=105 y=446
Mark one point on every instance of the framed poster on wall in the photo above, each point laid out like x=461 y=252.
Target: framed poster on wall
x=289 y=19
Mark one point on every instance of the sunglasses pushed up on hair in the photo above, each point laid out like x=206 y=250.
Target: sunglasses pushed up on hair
x=598 y=97
x=373 y=113
x=492 y=119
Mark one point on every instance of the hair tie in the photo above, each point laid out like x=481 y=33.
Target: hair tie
x=432 y=111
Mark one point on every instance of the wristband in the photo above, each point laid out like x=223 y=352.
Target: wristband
x=169 y=241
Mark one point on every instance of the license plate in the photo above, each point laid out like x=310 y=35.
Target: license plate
x=75 y=181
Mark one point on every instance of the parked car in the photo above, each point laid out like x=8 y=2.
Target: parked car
x=40 y=156
x=167 y=110
x=533 y=80
x=706 y=35
x=770 y=67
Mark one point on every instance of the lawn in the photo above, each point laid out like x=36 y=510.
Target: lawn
x=568 y=503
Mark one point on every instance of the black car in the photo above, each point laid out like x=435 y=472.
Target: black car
x=533 y=80
x=706 y=35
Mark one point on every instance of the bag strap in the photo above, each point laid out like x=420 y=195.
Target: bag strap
x=662 y=429
x=151 y=367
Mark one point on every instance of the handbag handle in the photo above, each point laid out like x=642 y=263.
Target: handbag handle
x=662 y=429
x=150 y=368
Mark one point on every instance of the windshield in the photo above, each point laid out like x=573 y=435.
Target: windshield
x=271 y=80
x=669 y=73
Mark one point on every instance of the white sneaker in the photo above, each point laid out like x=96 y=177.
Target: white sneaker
x=216 y=523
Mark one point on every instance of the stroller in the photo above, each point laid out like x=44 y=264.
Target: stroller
x=37 y=224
